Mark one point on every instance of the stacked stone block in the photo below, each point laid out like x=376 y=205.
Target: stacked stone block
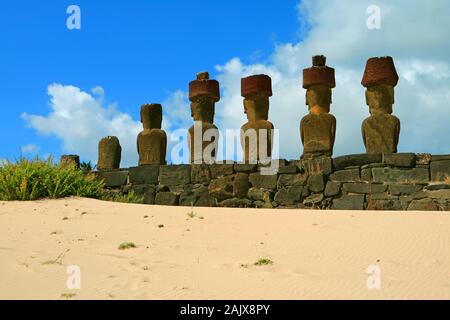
x=401 y=181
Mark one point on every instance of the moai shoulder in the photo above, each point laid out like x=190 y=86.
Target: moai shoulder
x=380 y=133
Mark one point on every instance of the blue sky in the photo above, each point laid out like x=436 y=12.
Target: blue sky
x=148 y=51
x=138 y=51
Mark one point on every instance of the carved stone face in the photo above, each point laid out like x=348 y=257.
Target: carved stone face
x=202 y=109
x=318 y=99
x=256 y=107
x=151 y=117
x=380 y=98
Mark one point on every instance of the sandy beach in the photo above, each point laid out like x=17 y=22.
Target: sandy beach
x=210 y=253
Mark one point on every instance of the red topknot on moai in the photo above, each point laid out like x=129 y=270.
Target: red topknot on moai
x=381 y=130
x=152 y=141
x=203 y=135
x=257 y=133
x=318 y=128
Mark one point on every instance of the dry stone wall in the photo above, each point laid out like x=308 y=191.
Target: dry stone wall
x=398 y=181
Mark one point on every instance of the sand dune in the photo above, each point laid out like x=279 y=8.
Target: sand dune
x=315 y=254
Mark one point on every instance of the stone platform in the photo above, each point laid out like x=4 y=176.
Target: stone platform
x=401 y=181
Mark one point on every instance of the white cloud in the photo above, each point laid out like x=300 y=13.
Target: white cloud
x=29 y=149
x=81 y=119
x=176 y=120
x=415 y=33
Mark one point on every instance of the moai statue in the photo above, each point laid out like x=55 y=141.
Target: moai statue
x=152 y=141
x=109 y=153
x=318 y=128
x=203 y=135
x=257 y=133
x=70 y=160
x=381 y=130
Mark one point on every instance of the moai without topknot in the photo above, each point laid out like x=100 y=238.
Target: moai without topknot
x=152 y=141
x=109 y=153
x=381 y=130
x=318 y=128
x=257 y=133
x=203 y=135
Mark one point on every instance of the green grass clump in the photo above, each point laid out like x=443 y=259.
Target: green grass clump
x=36 y=179
x=130 y=197
x=68 y=295
x=263 y=262
x=86 y=167
x=191 y=214
x=127 y=245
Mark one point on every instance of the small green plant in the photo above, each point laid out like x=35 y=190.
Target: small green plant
x=68 y=295
x=127 y=245
x=130 y=197
x=86 y=167
x=36 y=179
x=263 y=262
x=191 y=214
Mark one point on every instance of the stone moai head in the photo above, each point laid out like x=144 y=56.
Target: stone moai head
x=318 y=82
x=109 y=153
x=151 y=116
x=203 y=94
x=380 y=78
x=256 y=91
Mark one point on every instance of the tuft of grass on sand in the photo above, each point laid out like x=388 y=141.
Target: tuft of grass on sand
x=68 y=295
x=191 y=215
x=127 y=245
x=263 y=262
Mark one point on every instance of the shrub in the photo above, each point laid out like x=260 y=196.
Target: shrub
x=263 y=262
x=86 y=167
x=37 y=179
x=127 y=245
